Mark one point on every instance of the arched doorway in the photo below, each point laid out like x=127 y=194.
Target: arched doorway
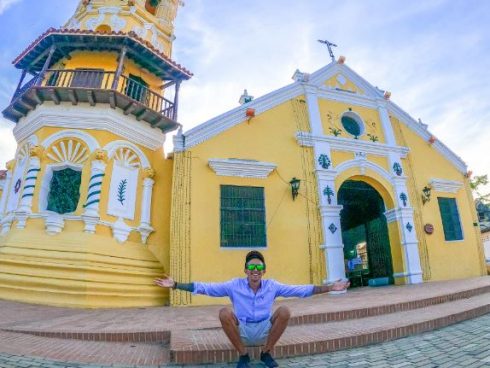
x=365 y=237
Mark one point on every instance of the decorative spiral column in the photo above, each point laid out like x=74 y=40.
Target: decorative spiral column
x=145 y=227
x=25 y=208
x=97 y=172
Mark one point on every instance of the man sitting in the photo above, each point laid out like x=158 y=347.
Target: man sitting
x=251 y=322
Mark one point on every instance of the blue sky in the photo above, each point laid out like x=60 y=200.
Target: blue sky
x=433 y=55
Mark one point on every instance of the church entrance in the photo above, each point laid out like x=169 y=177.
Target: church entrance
x=367 y=251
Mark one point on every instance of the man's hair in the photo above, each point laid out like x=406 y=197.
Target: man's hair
x=254 y=254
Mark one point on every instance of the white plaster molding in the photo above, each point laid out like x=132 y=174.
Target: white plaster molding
x=443 y=185
x=112 y=147
x=391 y=215
x=109 y=10
x=120 y=230
x=6 y=223
x=241 y=168
x=90 y=141
x=351 y=145
x=86 y=117
x=346 y=165
x=54 y=223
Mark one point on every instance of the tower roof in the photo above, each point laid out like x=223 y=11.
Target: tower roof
x=68 y=40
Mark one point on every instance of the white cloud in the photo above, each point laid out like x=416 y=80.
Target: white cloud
x=5 y=4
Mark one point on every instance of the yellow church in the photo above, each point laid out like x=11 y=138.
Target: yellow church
x=326 y=176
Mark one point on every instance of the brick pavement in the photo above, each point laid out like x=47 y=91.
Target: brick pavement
x=140 y=336
x=465 y=344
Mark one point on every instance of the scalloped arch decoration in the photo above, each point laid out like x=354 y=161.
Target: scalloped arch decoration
x=69 y=150
x=120 y=149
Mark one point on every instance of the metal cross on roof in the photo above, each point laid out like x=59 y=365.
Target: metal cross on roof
x=329 y=45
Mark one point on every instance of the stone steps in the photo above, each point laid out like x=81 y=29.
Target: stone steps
x=212 y=346
x=68 y=273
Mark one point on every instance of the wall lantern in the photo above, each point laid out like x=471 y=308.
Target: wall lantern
x=426 y=194
x=294 y=187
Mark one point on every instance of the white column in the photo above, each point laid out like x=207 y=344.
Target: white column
x=386 y=124
x=329 y=210
x=145 y=227
x=30 y=180
x=6 y=220
x=91 y=214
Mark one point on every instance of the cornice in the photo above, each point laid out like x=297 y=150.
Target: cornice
x=351 y=145
x=443 y=185
x=89 y=118
x=241 y=168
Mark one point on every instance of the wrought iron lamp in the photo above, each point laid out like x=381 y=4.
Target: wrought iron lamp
x=294 y=187
x=426 y=192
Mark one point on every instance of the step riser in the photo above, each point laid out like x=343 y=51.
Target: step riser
x=384 y=309
x=77 y=272
x=318 y=347
x=139 y=337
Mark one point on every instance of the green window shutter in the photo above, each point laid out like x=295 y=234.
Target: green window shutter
x=64 y=191
x=450 y=219
x=242 y=217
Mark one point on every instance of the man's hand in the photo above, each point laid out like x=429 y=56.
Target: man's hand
x=340 y=285
x=166 y=282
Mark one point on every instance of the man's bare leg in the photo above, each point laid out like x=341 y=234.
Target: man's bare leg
x=280 y=320
x=229 y=323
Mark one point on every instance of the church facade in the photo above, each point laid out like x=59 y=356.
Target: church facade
x=326 y=176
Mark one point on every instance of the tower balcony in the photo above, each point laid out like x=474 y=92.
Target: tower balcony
x=94 y=87
x=97 y=86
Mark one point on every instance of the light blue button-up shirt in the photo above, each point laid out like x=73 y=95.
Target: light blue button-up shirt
x=250 y=306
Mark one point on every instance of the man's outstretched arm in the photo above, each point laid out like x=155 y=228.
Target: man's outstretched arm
x=205 y=288
x=338 y=285
x=170 y=283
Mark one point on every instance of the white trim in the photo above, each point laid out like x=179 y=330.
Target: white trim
x=241 y=168
x=421 y=130
x=89 y=118
x=391 y=215
x=90 y=141
x=443 y=185
x=112 y=147
x=351 y=145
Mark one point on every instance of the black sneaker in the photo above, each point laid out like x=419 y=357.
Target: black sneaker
x=243 y=361
x=268 y=360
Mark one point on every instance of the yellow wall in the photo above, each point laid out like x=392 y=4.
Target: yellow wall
x=268 y=137
x=448 y=259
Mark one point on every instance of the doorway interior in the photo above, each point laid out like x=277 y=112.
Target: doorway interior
x=367 y=252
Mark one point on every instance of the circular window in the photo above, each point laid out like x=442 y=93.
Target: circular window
x=352 y=124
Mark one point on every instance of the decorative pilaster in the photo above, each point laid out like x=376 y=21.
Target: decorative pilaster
x=25 y=208
x=97 y=172
x=330 y=212
x=5 y=193
x=6 y=219
x=145 y=227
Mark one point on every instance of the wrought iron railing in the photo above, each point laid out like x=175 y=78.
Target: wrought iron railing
x=103 y=80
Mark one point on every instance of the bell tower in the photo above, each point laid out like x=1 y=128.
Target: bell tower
x=94 y=103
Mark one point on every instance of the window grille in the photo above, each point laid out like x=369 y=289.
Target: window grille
x=242 y=217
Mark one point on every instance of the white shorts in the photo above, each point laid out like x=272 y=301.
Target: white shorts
x=254 y=333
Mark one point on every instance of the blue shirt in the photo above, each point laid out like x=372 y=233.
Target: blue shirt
x=250 y=306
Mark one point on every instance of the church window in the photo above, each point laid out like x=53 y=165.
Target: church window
x=242 y=217
x=450 y=219
x=64 y=191
x=352 y=124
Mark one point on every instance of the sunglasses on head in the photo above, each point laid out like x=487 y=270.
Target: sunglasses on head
x=258 y=267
